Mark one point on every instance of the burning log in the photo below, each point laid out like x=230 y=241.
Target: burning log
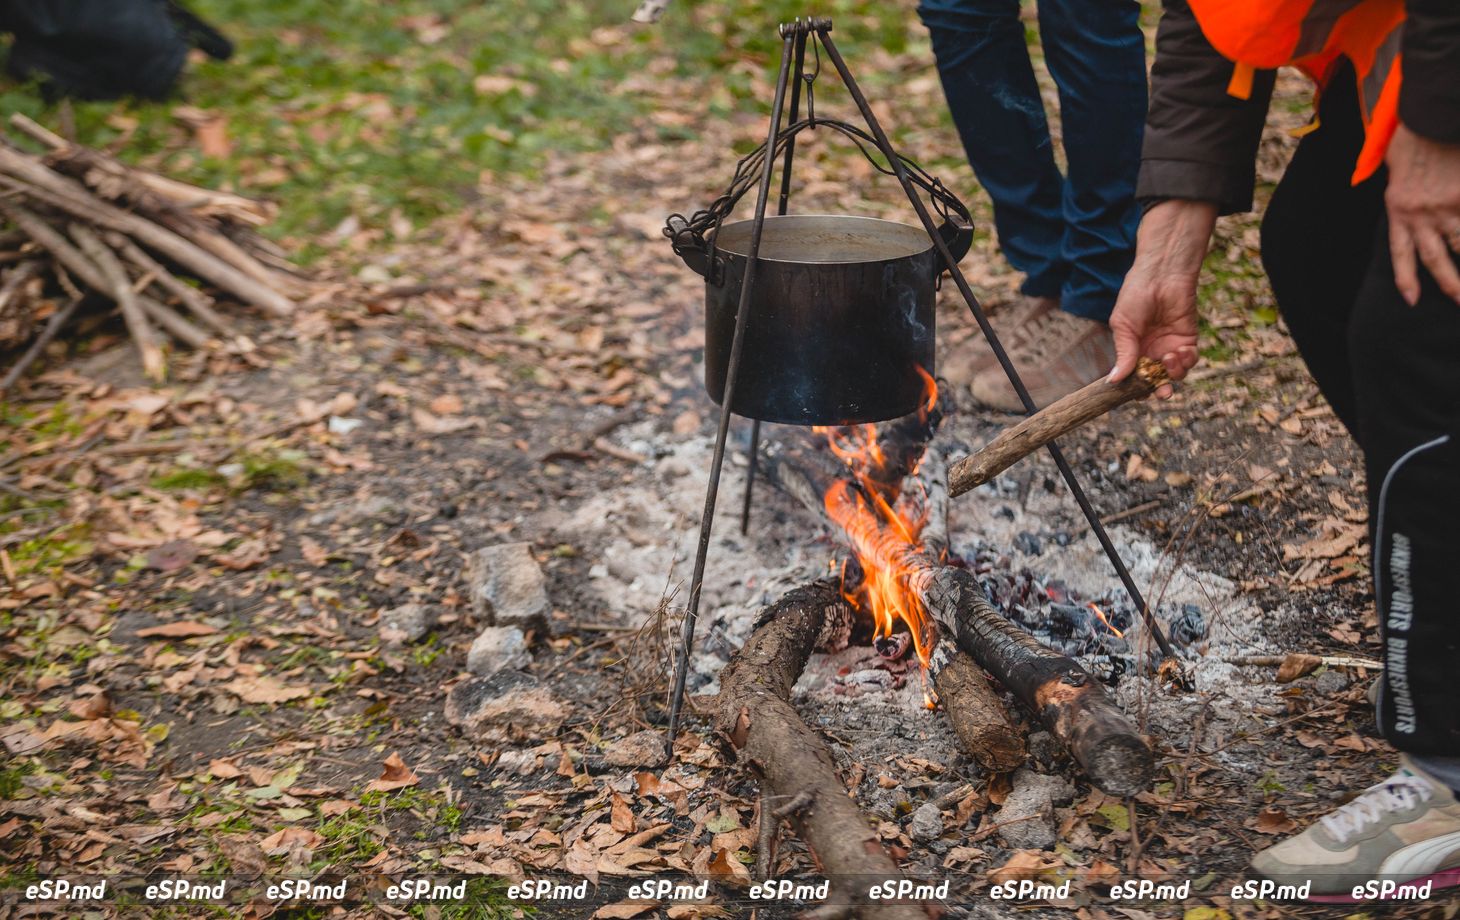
x=1074 y=410
x=976 y=713
x=1063 y=695
x=754 y=712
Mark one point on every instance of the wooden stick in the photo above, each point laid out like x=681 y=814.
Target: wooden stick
x=53 y=327
x=119 y=288
x=976 y=713
x=754 y=712
x=77 y=160
x=15 y=280
x=42 y=184
x=198 y=303
x=81 y=265
x=1074 y=410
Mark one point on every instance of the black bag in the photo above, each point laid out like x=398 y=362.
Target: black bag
x=105 y=49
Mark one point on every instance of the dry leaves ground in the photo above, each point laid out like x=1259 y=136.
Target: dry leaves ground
x=195 y=674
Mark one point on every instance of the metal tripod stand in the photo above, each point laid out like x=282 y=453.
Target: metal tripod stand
x=794 y=38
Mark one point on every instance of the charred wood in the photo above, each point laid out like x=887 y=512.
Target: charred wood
x=754 y=712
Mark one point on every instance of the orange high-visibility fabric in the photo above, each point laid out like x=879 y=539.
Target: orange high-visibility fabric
x=1311 y=35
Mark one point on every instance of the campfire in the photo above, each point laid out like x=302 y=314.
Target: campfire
x=878 y=517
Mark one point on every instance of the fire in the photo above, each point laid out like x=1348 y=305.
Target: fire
x=884 y=527
x=1100 y=615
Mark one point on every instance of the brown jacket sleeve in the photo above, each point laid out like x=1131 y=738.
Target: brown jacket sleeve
x=1201 y=143
x=1429 y=99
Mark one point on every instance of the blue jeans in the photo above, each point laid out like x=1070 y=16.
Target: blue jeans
x=1073 y=236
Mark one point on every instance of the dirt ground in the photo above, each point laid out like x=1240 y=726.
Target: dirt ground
x=199 y=676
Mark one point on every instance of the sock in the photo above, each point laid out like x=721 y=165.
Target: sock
x=1444 y=769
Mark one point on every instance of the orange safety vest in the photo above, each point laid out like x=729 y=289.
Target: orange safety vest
x=1311 y=35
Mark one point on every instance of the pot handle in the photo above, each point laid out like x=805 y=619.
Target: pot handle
x=692 y=248
x=958 y=236
x=693 y=238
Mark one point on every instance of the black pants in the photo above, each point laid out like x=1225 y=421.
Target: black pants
x=1392 y=374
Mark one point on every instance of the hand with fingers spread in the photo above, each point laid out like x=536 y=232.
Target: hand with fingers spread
x=1423 y=200
x=1155 y=313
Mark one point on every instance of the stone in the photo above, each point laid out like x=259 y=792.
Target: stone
x=519 y=761
x=509 y=706
x=497 y=647
x=1028 y=811
x=926 y=824
x=641 y=749
x=1332 y=681
x=349 y=513
x=407 y=623
x=506 y=586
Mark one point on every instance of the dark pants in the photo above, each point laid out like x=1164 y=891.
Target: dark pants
x=1392 y=374
x=1072 y=236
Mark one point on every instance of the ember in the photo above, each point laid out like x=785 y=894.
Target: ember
x=875 y=513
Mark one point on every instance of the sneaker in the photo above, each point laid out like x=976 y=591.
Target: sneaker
x=1404 y=830
x=1010 y=321
x=1056 y=354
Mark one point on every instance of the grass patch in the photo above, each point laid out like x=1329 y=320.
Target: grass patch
x=390 y=114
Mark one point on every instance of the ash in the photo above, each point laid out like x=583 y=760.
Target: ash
x=1022 y=534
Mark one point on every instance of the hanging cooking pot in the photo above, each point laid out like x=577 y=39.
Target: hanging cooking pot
x=841 y=327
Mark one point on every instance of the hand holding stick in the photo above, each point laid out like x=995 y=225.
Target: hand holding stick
x=1074 y=410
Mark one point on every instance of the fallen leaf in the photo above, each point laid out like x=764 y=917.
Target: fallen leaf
x=446 y=404
x=182 y=629
x=223 y=769
x=1296 y=665
x=621 y=815
x=290 y=838
x=313 y=553
x=264 y=690
x=623 y=910
x=396 y=775
x=1273 y=820
x=172 y=556
x=434 y=424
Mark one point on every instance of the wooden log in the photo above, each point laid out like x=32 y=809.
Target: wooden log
x=1044 y=426
x=1053 y=687
x=52 y=188
x=118 y=287
x=1056 y=689
x=754 y=712
x=976 y=713
x=77 y=160
x=198 y=303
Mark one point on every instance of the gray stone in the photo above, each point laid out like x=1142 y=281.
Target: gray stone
x=1330 y=682
x=407 y=623
x=508 y=706
x=926 y=824
x=506 y=587
x=641 y=749
x=497 y=647
x=1028 y=812
x=375 y=508
x=516 y=760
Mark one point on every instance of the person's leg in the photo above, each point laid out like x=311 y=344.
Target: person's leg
x=1407 y=384
x=983 y=61
x=1389 y=371
x=1317 y=239
x=1096 y=52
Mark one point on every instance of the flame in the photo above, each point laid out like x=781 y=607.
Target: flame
x=1100 y=615
x=884 y=527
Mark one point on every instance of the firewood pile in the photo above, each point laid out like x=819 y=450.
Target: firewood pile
x=79 y=228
